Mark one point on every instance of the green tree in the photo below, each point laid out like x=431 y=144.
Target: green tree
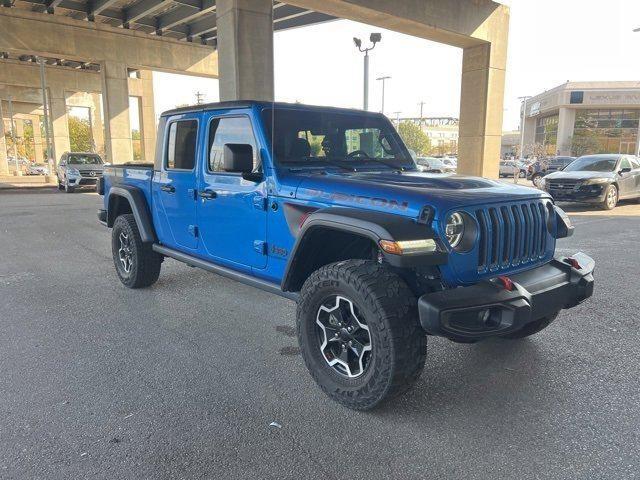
x=80 y=134
x=414 y=138
x=584 y=144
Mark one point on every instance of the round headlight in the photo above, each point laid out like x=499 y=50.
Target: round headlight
x=454 y=229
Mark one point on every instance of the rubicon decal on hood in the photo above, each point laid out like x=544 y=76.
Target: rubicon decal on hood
x=340 y=197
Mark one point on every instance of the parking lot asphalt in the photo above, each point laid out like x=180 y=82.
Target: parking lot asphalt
x=182 y=380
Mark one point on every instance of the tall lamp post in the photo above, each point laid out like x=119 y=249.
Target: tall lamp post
x=637 y=134
x=373 y=38
x=383 y=79
x=524 y=111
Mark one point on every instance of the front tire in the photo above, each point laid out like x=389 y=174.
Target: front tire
x=536 y=179
x=610 y=198
x=359 y=334
x=68 y=188
x=137 y=265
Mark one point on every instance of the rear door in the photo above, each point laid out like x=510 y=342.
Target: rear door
x=174 y=187
x=231 y=210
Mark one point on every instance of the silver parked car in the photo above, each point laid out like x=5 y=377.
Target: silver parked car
x=37 y=169
x=79 y=169
x=509 y=167
x=434 y=165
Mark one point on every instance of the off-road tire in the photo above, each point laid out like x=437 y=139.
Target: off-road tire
x=399 y=345
x=606 y=203
x=532 y=328
x=145 y=263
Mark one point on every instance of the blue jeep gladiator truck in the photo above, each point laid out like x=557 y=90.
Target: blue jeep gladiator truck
x=326 y=206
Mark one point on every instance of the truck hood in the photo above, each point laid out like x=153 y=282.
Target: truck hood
x=579 y=175
x=406 y=192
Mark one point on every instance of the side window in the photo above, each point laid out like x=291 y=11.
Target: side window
x=635 y=164
x=181 y=146
x=229 y=130
x=625 y=163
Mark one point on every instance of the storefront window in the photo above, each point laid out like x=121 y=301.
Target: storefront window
x=605 y=131
x=547 y=133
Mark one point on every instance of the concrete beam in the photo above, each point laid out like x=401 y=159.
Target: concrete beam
x=245 y=46
x=64 y=37
x=144 y=8
x=480 y=27
x=184 y=14
x=99 y=6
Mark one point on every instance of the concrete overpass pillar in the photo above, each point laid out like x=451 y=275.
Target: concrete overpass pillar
x=38 y=144
x=4 y=164
x=245 y=49
x=60 y=123
x=117 y=126
x=148 y=116
x=483 y=75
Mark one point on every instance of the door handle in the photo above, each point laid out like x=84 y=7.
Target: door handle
x=168 y=188
x=208 y=195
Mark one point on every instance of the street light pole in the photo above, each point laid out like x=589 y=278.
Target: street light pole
x=51 y=161
x=522 y=119
x=374 y=38
x=384 y=79
x=13 y=135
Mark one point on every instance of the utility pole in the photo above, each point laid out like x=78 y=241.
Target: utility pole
x=522 y=120
x=422 y=104
x=199 y=97
x=384 y=79
x=397 y=114
x=374 y=38
x=47 y=126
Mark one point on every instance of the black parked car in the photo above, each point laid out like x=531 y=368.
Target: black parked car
x=598 y=179
x=540 y=168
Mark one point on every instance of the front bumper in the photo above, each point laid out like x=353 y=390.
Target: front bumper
x=490 y=308
x=591 y=195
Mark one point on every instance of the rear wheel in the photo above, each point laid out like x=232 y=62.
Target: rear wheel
x=359 y=334
x=532 y=328
x=610 y=198
x=137 y=265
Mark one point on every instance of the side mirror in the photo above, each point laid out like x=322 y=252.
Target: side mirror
x=624 y=170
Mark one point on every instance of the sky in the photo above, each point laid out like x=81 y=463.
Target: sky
x=550 y=42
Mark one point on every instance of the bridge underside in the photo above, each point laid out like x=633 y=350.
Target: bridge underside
x=233 y=40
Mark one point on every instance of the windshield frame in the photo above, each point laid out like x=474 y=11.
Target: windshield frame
x=401 y=160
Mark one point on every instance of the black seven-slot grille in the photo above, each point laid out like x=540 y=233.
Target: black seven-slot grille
x=511 y=235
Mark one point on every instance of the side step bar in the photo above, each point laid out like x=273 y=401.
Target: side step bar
x=224 y=271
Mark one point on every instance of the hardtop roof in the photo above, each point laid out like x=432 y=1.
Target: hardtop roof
x=251 y=103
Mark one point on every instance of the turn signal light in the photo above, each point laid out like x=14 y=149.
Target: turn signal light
x=408 y=247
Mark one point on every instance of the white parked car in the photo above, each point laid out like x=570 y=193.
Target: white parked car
x=37 y=169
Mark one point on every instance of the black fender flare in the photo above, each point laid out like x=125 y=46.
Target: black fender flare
x=370 y=224
x=139 y=208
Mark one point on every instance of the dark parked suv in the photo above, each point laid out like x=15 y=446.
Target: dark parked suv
x=79 y=169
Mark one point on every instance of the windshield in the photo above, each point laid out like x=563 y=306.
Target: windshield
x=312 y=138
x=592 y=164
x=84 y=160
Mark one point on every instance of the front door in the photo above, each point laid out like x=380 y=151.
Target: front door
x=231 y=210
x=629 y=181
x=174 y=187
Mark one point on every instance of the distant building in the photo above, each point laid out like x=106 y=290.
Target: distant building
x=442 y=132
x=510 y=144
x=577 y=118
